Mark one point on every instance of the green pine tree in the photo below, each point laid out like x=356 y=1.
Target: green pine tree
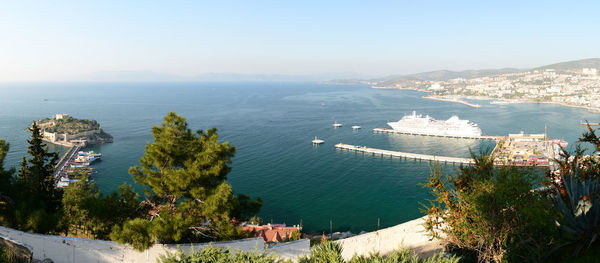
x=38 y=206
x=6 y=185
x=188 y=197
x=76 y=203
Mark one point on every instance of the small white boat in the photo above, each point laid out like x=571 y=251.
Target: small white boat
x=356 y=127
x=337 y=125
x=88 y=157
x=317 y=141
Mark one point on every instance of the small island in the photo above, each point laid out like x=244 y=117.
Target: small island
x=65 y=130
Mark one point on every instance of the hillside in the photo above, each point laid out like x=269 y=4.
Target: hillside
x=70 y=125
x=445 y=75
x=575 y=64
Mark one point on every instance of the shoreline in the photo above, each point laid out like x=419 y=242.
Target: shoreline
x=457 y=100
x=492 y=101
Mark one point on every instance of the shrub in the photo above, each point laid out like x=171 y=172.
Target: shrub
x=219 y=255
x=323 y=253
x=578 y=196
x=492 y=211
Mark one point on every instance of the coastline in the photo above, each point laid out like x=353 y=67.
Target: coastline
x=492 y=101
x=457 y=100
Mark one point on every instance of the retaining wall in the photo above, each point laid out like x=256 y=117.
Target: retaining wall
x=60 y=249
x=406 y=235
x=66 y=249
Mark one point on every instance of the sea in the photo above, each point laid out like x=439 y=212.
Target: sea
x=272 y=125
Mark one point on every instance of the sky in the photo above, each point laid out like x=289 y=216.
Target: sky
x=69 y=40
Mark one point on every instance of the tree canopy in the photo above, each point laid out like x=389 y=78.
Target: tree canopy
x=187 y=195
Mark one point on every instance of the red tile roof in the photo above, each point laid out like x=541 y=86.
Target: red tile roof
x=272 y=233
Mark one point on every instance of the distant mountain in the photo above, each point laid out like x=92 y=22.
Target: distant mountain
x=128 y=76
x=150 y=76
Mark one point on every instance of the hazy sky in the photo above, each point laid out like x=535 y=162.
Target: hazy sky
x=62 y=40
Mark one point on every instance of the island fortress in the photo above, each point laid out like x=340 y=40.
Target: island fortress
x=65 y=130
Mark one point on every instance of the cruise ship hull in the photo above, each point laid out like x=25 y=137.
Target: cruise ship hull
x=453 y=127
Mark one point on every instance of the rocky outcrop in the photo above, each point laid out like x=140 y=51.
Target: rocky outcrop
x=15 y=251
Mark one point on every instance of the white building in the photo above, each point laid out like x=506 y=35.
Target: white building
x=61 y=116
x=589 y=71
x=436 y=86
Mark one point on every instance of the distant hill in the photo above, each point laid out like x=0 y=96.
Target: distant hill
x=444 y=75
x=575 y=64
x=150 y=76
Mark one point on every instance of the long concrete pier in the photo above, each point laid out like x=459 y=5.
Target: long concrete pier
x=482 y=137
x=416 y=156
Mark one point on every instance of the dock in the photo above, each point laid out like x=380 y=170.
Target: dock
x=482 y=137
x=589 y=123
x=415 y=156
x=60 y=168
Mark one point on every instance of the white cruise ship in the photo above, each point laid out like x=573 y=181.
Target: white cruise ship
x=453 y=127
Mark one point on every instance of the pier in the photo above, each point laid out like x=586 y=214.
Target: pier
x=69 y=157
x=482 y=137
x=416 y=156
x=589 y=123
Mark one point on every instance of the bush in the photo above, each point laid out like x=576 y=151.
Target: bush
x=578 y=196
x=328 y=252
x=492 y=211
x=219 y=255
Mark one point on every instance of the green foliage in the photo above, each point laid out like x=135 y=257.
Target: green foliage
x=295 y=235
x=219 y=255
x=188 y=197
x=403 y=256
x=578 y=196
x=136 y=232
x=327 y=252
x=114 y=209
x=31 y=203
x=492 y=211
x=71 y=125
x=76 y=202
x=580 y=210
x=86 y=209
x=6 y=183
x=324 y=252
x=4 y=255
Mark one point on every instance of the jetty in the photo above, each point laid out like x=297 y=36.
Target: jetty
x=405 y=155
x=481 y=137
x=589 y=123
x=61 y=167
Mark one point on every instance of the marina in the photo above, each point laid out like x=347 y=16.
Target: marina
x=74 y=162
x=518 y=149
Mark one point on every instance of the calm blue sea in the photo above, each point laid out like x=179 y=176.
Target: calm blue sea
x=272 y=125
